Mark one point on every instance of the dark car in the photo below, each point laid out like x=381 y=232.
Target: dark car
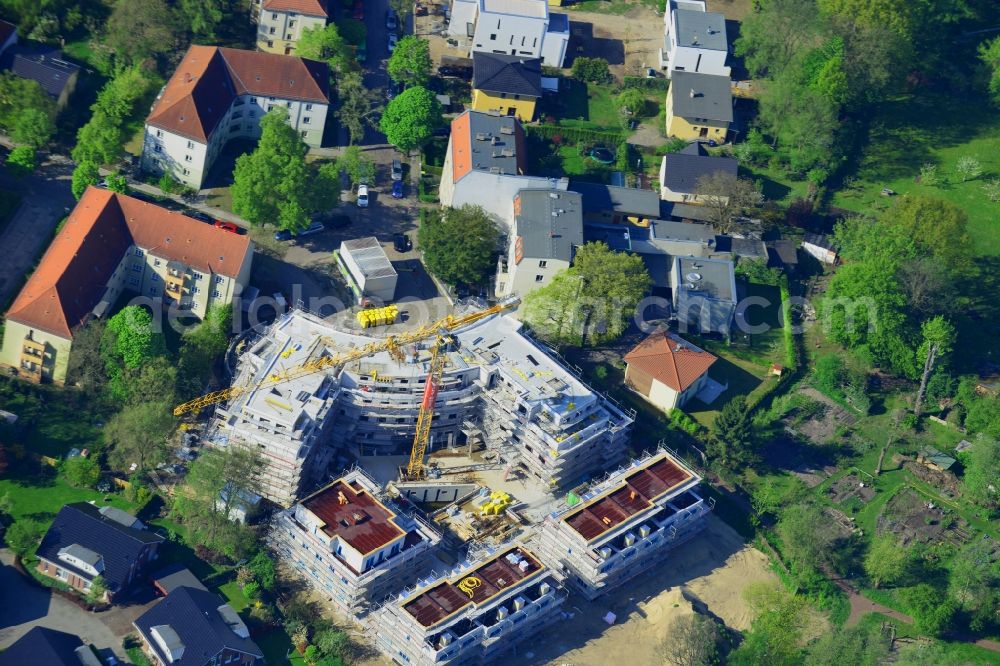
x=452 y=70
x=202 y=217
x=283 y=235
x=397 y=189
x=402 y=243
x=390 y=20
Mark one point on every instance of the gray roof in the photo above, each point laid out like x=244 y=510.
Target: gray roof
x=741 y=247
x=683 y=211
x=45 y=646
x=513 y=75
x=558 y=22
x=628 y=200
x=782 y=253
x=820 y=240
x=705 y=96
x=703 y=30
x=683 y=231
x=715 y=277
x=682 y=171
x=370 y=257
x=174 y=576
x=495 y=142
x=46 y=67
x=85 y=555
x=121 y=517
x=550 y=224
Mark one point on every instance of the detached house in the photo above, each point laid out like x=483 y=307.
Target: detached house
x=218 y=94
x=682 y=173
x=280 y=23
x=511 y=27
x=704 y=294
x=693 y=40
x=109 y=245
x=666 y=370
x=505 y=84
x=699 y=106
x=85 y=542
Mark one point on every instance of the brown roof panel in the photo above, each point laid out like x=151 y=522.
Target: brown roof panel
x=670 y=360
x=352 y=514
x=308 y=7
x=461 y=147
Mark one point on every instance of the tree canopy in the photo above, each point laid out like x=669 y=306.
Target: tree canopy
x=27 y=112
x=459 y=244
x=132 y=338
x=410 y=118
x=327 y=45
x=137 y=435
x=359 y=105
x=140 y=29
x=410 y=62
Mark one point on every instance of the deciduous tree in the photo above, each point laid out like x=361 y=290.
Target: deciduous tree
x=939 y=338
x=85 y=174
x=139 y=29
x=459 y=244
x=727 y=197
x=131 y=337
x=981 y=481
x=24 y=536
x=887 y=560
x=203 y=17
x=775 y=634
x=693 y=640
x=137 y=435
x=327 y=45
x=410 y=63
x=356 y=165
x=81 y=472
x=807 y=538
x=410 y=118
x=359 y=106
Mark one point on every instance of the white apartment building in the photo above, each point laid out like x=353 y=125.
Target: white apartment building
x=353 y=544
x=280 y=23
x=217 y=94
x=694 y=40
x=512 y=27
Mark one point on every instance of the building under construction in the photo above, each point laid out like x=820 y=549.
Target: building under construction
x=353 y=544
x=475 y=614
x=624 y=525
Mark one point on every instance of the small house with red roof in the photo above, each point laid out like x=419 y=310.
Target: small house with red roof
x=667 y=370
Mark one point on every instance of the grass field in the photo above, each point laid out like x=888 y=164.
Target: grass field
x=41 y=498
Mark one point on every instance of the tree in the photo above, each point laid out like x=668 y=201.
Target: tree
x=23 y=536
x=776 y=631
x=97 y=590
x=359 y=106
x=631 y=101
x=203 y=344
x=592 y=301
x=693 y=640
x=731 y=444
x=262 y=568
x=968 y=168
x=81 y=472
x=981 y=481
x=117 y=183
x=410 y=118
x=974 y=575
x=939 y=337
x=933 y=612
x=153 y=381
x=140 y=29
x=356 y=165
x=354 y=32
x=459 y=244
x=806 y=537
x=726 y=197
x=989 y=54
x=23 y=103
x=34 y=128
x=325 y=44
x=886 y=561
x=99 y=141
x=859 y=646
x=130 y=336
x=410 y=63
x=591 y=70
x=21 y=161
x=937 y=227
x=403 y=9
x=203 y=16
x=85 y=174
x=137 y=436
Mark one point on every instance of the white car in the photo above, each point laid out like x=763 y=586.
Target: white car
x=362 y=196
x=392 y=41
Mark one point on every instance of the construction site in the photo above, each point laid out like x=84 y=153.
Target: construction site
x=446 y=485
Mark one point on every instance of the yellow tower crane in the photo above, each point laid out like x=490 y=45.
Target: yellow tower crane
x=415 y=469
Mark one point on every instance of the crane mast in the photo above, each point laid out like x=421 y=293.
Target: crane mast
x=415 y=469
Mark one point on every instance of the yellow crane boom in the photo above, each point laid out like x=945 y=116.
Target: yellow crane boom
x=423 y=435
x=392 y=344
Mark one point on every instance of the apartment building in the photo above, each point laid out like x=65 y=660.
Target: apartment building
x=280 y=23
x=217 y=94
x=473 y=616
x=624 y=525
x=694 y=40
x=112 y=244
x=512 y=27
x=353 y=544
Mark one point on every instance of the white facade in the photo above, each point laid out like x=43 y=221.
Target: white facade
x=368 y=268
x=511 y=27
x=525 y=277
x=279 y=31
x=694 y=40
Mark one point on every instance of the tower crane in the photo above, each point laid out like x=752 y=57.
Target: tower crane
x=415 y=469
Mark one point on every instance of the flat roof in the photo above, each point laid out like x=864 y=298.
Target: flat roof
x=370 y=257
x=700 y=29
x=548 y=224
x=351 y=513
x=636 y=493
x=533 y=8
x=507 y=570
x=715 y=277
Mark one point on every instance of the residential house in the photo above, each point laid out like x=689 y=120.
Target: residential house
x=42 y=645
x=85 y=542
x=782 y=254
x=610 y=204
x=192 y=627
x=8 y=36
x=666 y=370
x=693 y=40
x=352 y=544
x=45 y=66
x=217 y=94
x=174 y=576
x=486 y=165
x=704 y=294
x=506 y=84
x=513 y=27
x=280 y=23
x=683 y=174
x=113 y=244
x=821 y=247
x=699 y=106
x=548 y=228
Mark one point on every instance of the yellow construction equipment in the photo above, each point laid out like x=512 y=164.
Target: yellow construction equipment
x=378 y=316
x=415 y=469
x=392 y=344
x=497 y=504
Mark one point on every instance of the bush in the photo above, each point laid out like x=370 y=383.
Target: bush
x=169 y=184
x=592 y=70
x=574 y=134
x=684 y=422
x=646 y=83
x=21 y=161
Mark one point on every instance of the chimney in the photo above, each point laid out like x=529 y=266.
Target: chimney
x=693 y=94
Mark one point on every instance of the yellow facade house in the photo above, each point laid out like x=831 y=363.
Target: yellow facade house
x=506 y=85
x=280 y=23
x=699 y=107
x=110 y=245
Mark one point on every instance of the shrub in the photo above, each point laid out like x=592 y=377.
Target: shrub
x=646 y=83
x=169 y=184
x=21 y=161
x=591 y=70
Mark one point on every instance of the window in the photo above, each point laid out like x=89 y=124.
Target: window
x=216 y=294
x=190 y=145
x=137 y=268
x=271 y=32
x=156 y=262
x=152 y=291
x=270 y=44
x=239 y=101
x=134 y=281
x=159 y=134
x=305 y=120
x=138 y=252
x=542 y=264
x=186 y=172
x=158 y=148
x=156 y=278
x=196 y=275
x=291 y=24
x=197 y=290
x=235 y=128
x=274 y=16
x=219 y=279
x=309 y=107
x=288 y=36
x=493 y=37
x=237 y=114
x=270 y=107
x=187 y=158
x=539 y=278
x=253 y=100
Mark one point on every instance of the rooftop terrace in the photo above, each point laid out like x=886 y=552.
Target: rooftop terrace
x=352 y=514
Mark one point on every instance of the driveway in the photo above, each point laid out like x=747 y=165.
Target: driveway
x=24 y=606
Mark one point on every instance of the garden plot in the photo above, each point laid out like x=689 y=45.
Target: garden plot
x=913 y=518
x=850 y=489
x=821 y=423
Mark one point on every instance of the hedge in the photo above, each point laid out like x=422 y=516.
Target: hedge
x=574 y=133
x=646 y=83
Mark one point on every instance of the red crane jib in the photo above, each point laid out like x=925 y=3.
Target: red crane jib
x=430 y=394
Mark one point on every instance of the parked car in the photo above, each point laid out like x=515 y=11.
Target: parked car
x=397 y=170
x=358 y=10
x=362 y=196
x=282 y=235
x=453 y=70
x=313 y=228
x=391 y=23
x=227 y=226
x=397 y=189
x=393 y=40
x=420 y=10
x=402 y=243
x=200 y=216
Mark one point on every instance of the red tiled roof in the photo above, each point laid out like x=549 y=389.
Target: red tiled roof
x=352 y=514
x=670 y=360
x=308 y=7
x=73 y=274
x=494 y=576
x=635 y=494
x=207 y=80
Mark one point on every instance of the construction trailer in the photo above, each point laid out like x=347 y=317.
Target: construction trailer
x=353 y=544
x=624 y=525
x=474 y=615
x=366 y=267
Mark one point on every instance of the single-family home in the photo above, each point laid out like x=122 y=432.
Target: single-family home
x=506 y=84
x=704 y=294
x=109 y=245
x=48 y=647
x=512 y=27
x=694 y=40
x=280 y=23
x=667 y=370
x=192 y=627
x=44 y=65
x=86 y=542
x=217 y=94
x=683 y=174
x=821 y=247
x=174 y=576
x=699 y=106
x=486 y=163
x=548 y=228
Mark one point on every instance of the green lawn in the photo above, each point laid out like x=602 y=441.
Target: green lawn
x=41 y=498
x=909 y=132
x=275 y=646
x=584 y=105
x=615 y=7
x=234 y=595
x=776 y=185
